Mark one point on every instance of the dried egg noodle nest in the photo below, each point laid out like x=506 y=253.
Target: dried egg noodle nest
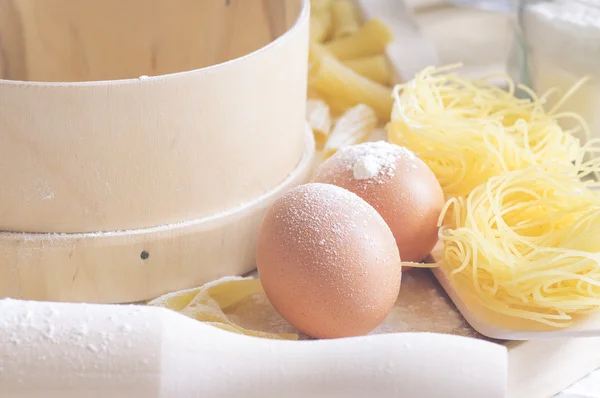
x=521 y=228
x=528 y=243
x=467 y=130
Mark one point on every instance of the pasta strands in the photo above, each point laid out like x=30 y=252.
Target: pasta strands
x=528 y=244
x=209 y=303
x=521 y=228
x=353 y=127
x=371 y=39
x=376 y=68
x=319 y=119
x=320 y=25
x=320 y=5
x=468 y=131
x=334 y=79
x=362 y=77
x=316 y=52
x=344 y=17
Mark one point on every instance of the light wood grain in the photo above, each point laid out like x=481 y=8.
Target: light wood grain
x=138 y=153
x=12 y=50
x=176 y=167
x=86 y=40
x=137 y=265
x=499 y=326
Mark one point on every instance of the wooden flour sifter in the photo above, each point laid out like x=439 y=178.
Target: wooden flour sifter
x=142 y=140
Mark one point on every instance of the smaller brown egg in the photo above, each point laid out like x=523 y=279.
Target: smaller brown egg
x=328 y=262
x=398 y=185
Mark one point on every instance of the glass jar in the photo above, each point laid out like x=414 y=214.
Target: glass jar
x=557 y=43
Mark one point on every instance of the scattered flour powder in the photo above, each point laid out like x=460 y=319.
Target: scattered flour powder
x=372 y=160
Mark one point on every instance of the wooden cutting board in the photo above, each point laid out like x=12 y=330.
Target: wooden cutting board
x=537 y=369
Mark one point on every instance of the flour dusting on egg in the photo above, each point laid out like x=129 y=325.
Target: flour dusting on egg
x=327 y=261
x=399 y=185
x=375 y=160
x=365 y=168
x=317 y=209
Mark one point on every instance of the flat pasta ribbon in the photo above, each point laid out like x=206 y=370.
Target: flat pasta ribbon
x=209 y=303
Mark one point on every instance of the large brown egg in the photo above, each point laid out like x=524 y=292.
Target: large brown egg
x=328 y=262
x=398 y=185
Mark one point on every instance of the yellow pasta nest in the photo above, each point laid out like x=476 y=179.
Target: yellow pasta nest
x=521 y=228
x=528 y=243
x=470 y=130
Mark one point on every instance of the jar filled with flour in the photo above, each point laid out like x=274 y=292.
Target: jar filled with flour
x=557 y=44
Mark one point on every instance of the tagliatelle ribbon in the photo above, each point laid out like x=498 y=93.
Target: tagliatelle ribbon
x=209 y=303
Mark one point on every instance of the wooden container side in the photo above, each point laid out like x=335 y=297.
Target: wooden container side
x=90 y=40
x=94 y=156
x=132 y=266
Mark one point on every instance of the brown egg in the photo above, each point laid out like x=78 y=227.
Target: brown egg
x=398 y=185
x=328 y=262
